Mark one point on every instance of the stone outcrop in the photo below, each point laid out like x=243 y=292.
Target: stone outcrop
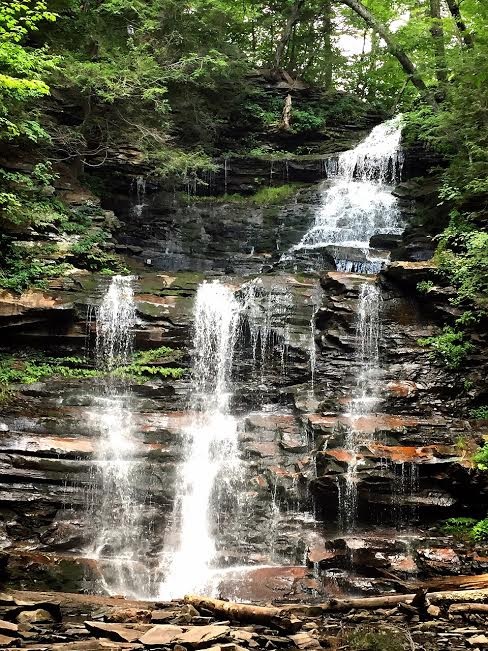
x=412 y=470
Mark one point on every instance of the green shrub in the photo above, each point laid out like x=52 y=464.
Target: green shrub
x=23 y=268
x=480 y=413
x=144 y=357
x=476 y=530
x=18 y=371
x=424 y=286
x=364 y=638
x=480 y=531
x=481 y=458
x=136 y=371
x=86 y=253
x=450 y=346
x=460 y=527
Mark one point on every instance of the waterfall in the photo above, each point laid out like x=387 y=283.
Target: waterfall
x=211 y=465
x=358 y=202
x=115 y=510
x=365 y=395
x=266 y=311
x=139 y=204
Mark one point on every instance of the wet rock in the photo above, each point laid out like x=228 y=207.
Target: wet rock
x=409 y=274
x=198 y=636
x=305 y=641
x=162 y=616
x=160 y=635
x=6 y=641
x=385 y=241
x=434 y=611
x=480 y=641
x=115 y=632
x=37 y=616
x=8 y=628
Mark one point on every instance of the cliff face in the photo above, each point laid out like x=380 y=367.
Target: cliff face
x=414 y=462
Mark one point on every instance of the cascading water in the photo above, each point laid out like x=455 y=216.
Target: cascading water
x=358 y=202
x=365 y=396
x=115 y=509
x=211 y=464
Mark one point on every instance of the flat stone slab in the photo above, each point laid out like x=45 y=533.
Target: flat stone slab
x=115 y=632
x=201 y=635
x=161 y=634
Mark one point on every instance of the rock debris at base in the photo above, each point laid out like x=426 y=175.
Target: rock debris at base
x=70 y=622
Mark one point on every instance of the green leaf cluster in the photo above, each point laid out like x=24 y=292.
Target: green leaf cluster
x=450 y=345
x=476 y=530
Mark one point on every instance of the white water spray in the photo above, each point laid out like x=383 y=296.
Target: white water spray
x=115 y=508
x=358 y=202
x=365 y=396
x=212 y=466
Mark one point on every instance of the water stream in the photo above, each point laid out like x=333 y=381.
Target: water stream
x=365 y=395
x=357 y=202
x=210 y=490
x=211 y=465
x=116 y=505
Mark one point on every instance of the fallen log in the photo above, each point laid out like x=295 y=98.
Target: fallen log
x=285 y=616
x=476 y=581
x=455 y=609
x=388 y=601
x=282 y=619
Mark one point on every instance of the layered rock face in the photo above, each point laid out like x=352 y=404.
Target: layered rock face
x=292 y=386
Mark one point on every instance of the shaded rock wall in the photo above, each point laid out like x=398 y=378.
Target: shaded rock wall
x=413 y=471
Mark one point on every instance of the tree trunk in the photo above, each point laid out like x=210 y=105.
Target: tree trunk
x=437 y=32
x=286 y=115
x=461 y=25
x=327 y=31
x=391 y=44
x=287 y=32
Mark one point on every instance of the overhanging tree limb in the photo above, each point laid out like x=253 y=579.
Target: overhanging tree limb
x=287 y=31
x=390 y=41
x=461 y=25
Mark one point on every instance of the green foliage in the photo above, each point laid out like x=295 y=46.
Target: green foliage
x=22 y=268
x=33 y=367
x=87 y=254
x=450 y=345
x=145 y=357
x=459 y=527
x=467 y=528
x=17 y=371
x=480 y=531
x=364 y=638
x=462 y=255
x=267 y=196
x=147 y=363
x=22 y=70
x=480 y=412
x=275 y=194
x=424 y=286
x=138 y=370
x=481 y=457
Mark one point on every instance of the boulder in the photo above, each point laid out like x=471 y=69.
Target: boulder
x=38 y=616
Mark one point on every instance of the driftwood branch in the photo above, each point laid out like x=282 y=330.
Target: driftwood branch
x=456 y=609
x=247 y=612
x=285 y=616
